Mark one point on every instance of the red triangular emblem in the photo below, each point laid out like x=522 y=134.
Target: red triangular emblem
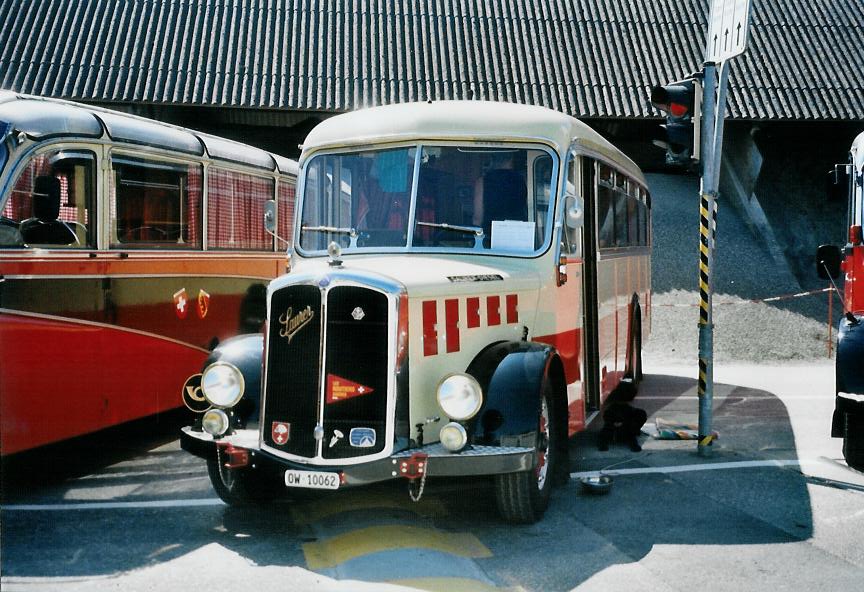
x=340 y=389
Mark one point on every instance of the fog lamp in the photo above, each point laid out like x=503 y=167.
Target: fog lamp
x=215 y=422
x=453 y=437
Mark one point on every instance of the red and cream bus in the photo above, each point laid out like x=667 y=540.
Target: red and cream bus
x=469 y=282
x=128 y=250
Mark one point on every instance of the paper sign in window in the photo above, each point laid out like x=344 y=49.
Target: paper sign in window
x=512 y=235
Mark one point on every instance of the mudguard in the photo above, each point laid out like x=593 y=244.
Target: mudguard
x=850 y=373
x=511 y=375
x=245 y=352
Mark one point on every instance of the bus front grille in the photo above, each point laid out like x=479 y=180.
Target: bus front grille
x=327 y=366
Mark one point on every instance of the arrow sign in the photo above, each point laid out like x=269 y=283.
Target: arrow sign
x=727 y=29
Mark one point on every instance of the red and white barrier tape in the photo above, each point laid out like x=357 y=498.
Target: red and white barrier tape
x=749 y=301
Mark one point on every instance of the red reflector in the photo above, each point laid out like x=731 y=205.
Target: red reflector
x=235 y=458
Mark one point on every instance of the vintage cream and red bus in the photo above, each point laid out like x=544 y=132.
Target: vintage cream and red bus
x=469 y=281
x=848 y=420
x=128 y=250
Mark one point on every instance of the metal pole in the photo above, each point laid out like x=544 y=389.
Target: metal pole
x=714 y=106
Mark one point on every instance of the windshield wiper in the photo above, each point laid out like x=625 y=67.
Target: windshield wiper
x=475 y=230
x=351 y=232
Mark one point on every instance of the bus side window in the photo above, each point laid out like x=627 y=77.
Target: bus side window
x=605 y=208
x=235 y=210
x=51 y=204
x=155 y=204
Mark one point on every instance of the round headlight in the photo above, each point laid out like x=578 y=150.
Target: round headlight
x=460 y=396
x=222 y=384
x=453 y=437
x=215 y=422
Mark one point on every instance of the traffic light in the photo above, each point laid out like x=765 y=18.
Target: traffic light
x=682 y=103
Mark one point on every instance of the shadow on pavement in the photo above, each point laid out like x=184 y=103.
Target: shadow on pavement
x=580 y=536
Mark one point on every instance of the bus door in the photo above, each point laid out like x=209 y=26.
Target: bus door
x=590 y=322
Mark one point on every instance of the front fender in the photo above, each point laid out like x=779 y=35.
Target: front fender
x=511 y=375
x=850 y=376
x=245 y=352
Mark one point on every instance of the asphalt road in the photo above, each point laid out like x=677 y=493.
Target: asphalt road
x=773 y=508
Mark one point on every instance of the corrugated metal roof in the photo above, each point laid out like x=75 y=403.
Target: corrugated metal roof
x=589 y=58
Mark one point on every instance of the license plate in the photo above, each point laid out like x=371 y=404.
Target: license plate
x=312 y=479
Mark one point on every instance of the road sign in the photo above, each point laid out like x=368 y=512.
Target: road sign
x=728 y=23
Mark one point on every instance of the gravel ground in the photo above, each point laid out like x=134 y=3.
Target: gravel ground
x=745 y=331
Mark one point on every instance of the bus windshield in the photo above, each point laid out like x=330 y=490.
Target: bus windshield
x=469 y=197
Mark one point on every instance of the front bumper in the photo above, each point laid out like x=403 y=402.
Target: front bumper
x=475 y=460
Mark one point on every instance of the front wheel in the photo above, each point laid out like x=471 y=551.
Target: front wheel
x=853 y=442
x=523 y=497
x=238 y=487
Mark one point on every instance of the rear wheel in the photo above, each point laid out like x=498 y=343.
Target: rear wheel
x=523 y=497
x=238 y=487
x=853 y=442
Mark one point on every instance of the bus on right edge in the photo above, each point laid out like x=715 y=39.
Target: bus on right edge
x=848 y=421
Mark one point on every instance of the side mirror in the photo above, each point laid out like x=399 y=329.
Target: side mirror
x=573 y=213
x=270 y=216
x=828 y=259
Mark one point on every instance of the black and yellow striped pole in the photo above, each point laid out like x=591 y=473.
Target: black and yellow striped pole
x=714 y=106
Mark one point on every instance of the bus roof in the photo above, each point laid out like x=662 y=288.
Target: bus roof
x=43 y=118
x=462 y=120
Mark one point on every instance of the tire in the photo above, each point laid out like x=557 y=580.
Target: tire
x=853 y=442
x=523 y=497
x=239 y=487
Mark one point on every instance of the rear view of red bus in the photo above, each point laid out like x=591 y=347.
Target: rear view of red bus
x=848 y=421
x=128 y=250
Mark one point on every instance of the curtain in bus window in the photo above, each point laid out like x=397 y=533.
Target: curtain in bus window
x=155 y=204
x=50 y=203
x=235 y=210
x=285 y=207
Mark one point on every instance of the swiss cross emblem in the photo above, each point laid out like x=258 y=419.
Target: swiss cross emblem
x=181 y=303
x=340 y=389
x=280 y=431
x=203 y=303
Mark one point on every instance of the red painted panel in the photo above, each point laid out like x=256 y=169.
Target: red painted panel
x=62 y=379
x=451 y=321
x=473 y=312
x=512 y=309
x=493 y=310
x=430 y=333
x=569 y=347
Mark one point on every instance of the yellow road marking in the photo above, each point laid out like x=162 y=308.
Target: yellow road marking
x=364 y=541
x=448 y=584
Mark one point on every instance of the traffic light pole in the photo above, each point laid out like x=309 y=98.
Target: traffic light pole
x=713 y=111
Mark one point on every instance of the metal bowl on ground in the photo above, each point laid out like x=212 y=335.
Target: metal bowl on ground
x=596 y=484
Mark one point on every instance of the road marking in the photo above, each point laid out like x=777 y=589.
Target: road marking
x=192 y=503
x=205 y=502
x=363 y=541
x=743 y=464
